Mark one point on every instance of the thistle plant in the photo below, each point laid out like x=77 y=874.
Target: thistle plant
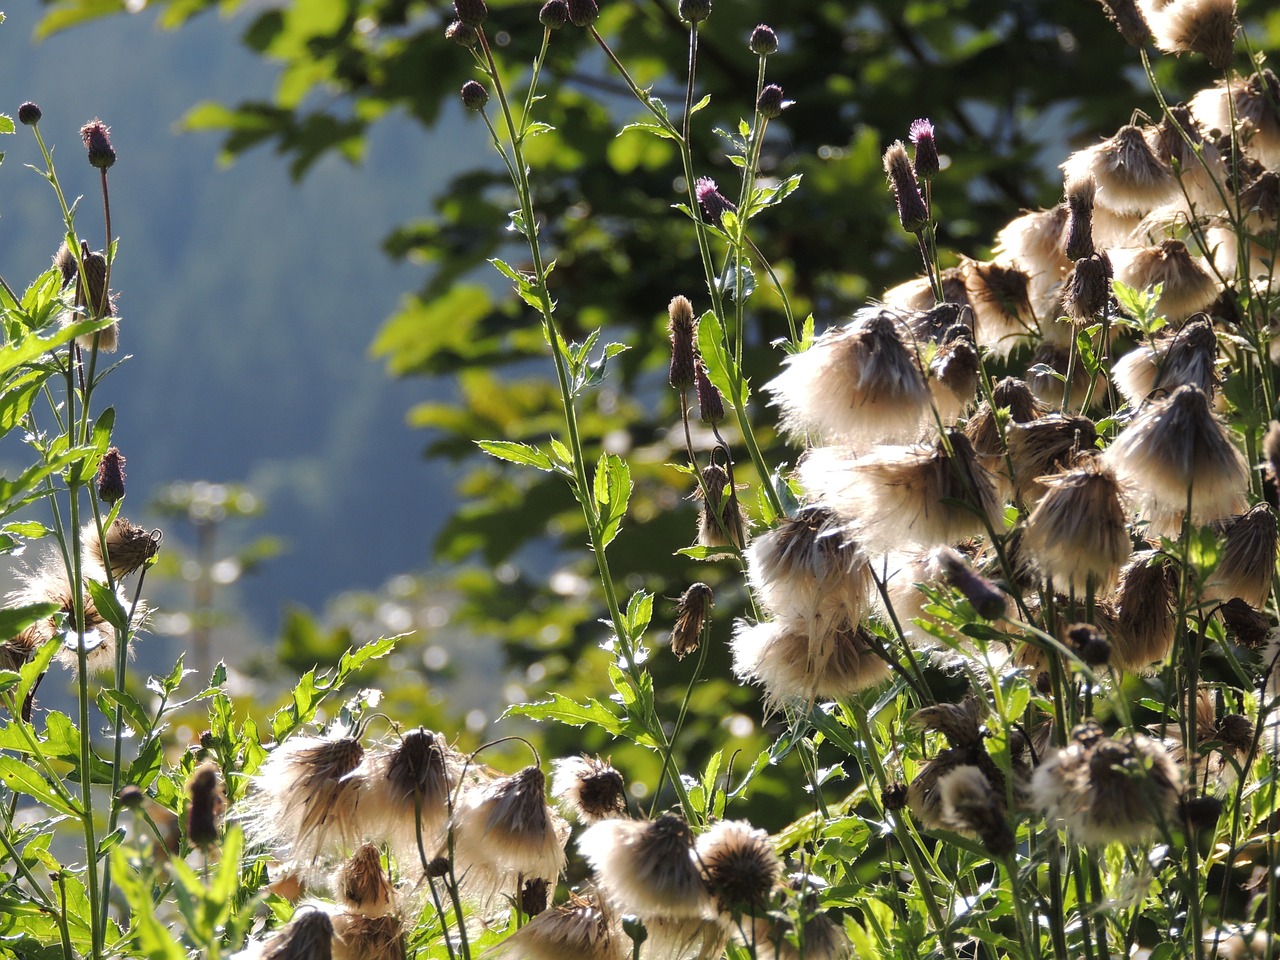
x=998 y=552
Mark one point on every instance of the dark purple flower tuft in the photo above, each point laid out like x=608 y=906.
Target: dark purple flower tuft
x=763 y=41
x=927 y=163
x=714 y=203
x=97 y=141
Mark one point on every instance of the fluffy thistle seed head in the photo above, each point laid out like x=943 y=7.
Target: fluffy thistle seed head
x=971 y=804
x=1248 y=558
x=1130 y=178
x=797 y=662
x=128 y=546
x=739 y=866
x=1177 y=447
x=648 y=867
x=1000 y=295
x=589 y=787
x=1040 y=447
x=358 y=937
x=584 y=928
x=954 y=373
x=362 y=886
x=691 y=616
x=1188 y=284
x=308 y=936
x=1077 y=535
x=857 y=383
x=1185 y=357
x=1205 y=27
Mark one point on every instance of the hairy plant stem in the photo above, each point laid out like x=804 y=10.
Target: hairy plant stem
x=583 y=488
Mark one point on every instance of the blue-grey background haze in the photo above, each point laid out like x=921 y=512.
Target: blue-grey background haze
x=248 y=302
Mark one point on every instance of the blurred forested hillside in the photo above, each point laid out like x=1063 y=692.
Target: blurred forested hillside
x=248 y=302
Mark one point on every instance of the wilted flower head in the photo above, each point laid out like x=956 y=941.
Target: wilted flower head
x=127 y=545
x=304 y=798
x=714 y=204
x=1088 y=288
x=691 y=617
x=1176 y=449
x=308 y=936
x=1250 y=102
x=1079 y=228
x=504 y=829
x=971 y=804
x=1248 y=558
x=590 y=788
x=92 y=299
x=405 y=790
x=97 y=142
x=1077 y=534
x=361 y=885
x=1106 y=789
x=999 y=294
x=1040 y=447
x=797 y=662
x=808 y=566
x=1129 y=177
x=954 y=373
x=1206 y=27
x=1188 y=285
x=205 y=805
x=912 y=213
x=985 y=597
x=925 y=494
x=360 y=937
x=584 y=928
x=1138 y=617
x=859 y=382
x=648 y=867
x=720 y=522
x=739 y=866
x=1185 y=357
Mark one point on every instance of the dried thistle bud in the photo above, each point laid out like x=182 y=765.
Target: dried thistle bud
x=1089 y=644
x=720 y=522
x=714 y=203
x=985 y=597
x=205 y=803
x=694 y=11
x=463 y=34
x=583 y=13
x=533 y=896
x=912 y=213
x=1248 y=626
x=110 y=478
x=894 y=796
x=1201 y=813
x=362 y=885
x=29 y=114
x=763 y=41
x=1128 y=20
x=691 y=615
x=131 y=797
x=474 y=95
x=1088 y=288
x=710 y=403
x=65 y=261
x=1079 y=243
x=680 y=331
x=927 y=162
x=97 y=143
x=771 y=103
x=471 y=12
x=554 y=14
x=438 y=867
x=124 y=545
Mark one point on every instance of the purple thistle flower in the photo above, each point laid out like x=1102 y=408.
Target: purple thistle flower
x=714 y=203
x=927 y=163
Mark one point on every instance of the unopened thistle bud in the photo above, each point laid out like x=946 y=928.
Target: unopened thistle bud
x=770 y=103
x=680 y=331
x=463 y=34
x=131 y=797
x=894 y=796
x=927 y=163
x=110 y=478
x=1079 y=243
x=474 y=95
x=1089 y=644
x=763 y=41
x=710 y=403
x=714 y=203
x=583 y=13
x=533 y=896
x=912 y=213
x=554 y=14
x=29 y=114
x=97 y=142
x=205 y=803
x=691 y=616
x=694 y=11
x=1201 y=813
x=471 y=12
x=438 y=867
x=720 y=523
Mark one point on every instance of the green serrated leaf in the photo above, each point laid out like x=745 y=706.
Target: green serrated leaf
x=108 y=606
x=563 y=710
x=513 y=452
x=639 y=613
x=16 y=619
x=20 y=777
